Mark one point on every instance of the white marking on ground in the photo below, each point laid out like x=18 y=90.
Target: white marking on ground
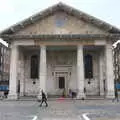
x=85 y=116
x=35 y=118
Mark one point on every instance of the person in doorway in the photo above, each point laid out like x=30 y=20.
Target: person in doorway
x=116 y=92
x=84 y=93
x=44 y=99
x=63 y=94
x=116 y=95
x=70 y=93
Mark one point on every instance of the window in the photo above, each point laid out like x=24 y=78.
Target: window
x=60 y=20
x=34 y=66
x=88 y=66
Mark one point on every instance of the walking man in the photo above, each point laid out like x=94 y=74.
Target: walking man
x=44 y=99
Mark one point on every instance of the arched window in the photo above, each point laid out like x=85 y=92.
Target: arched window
x=34 y=66
x=88 y=63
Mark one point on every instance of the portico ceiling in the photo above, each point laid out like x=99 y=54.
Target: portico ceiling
x=61 y=48
x=50 y=48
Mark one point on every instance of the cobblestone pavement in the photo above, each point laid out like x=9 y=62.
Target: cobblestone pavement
x=60 y=110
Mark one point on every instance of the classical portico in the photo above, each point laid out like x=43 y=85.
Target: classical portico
x=59 y=50
x=60 y=62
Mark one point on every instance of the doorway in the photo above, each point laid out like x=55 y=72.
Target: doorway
x=61 y=82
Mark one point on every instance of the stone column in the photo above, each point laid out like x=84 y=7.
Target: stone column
x=101 y=74
x=109 y=72
x=13 y=73
x=22 y=78
x=80 y=73
x=42 y=70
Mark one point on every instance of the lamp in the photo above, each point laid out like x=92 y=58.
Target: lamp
x=89 y=76
x=34 y=81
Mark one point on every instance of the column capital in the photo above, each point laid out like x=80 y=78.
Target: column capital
x=43 y=46
x=13 y=46
x=79 y=46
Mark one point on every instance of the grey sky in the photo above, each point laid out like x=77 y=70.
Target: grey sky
x=12 y=11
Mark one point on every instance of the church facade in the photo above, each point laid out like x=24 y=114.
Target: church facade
x=61 y=49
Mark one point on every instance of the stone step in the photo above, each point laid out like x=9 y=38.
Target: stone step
x=60 y=98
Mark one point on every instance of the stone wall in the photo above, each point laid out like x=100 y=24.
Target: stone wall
x=58 y=61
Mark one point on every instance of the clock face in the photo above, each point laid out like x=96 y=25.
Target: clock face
x=60 y=21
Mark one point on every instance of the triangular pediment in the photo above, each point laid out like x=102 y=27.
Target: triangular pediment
x=60 y=23
x=61 y=19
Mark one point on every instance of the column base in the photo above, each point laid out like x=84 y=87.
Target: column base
x=81 y=95
x=110 y=95
x=21 y=94
x=12 y=96
x=102 y=94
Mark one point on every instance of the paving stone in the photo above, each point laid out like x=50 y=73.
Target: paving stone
x=65 y=110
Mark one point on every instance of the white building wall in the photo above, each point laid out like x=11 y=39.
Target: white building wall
x=30 y=88
x=54 y=64
x=57 y=63
x=93 y=88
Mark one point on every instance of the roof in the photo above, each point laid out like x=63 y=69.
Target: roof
x=61 y=7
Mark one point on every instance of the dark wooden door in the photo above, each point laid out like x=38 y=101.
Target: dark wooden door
x=61 y=82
